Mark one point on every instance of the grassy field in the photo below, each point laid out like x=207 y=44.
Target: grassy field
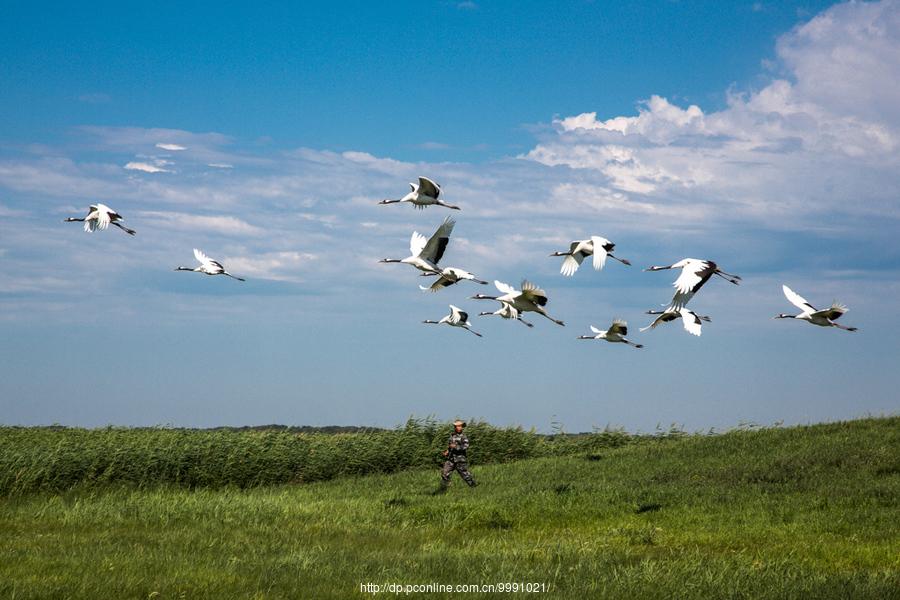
x=56 y=459
x=808 y=512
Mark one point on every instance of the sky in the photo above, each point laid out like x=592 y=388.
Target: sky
x=764 y=136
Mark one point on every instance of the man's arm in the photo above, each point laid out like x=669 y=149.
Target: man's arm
x=450 y=446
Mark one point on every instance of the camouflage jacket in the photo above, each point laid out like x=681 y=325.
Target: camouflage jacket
x=462 y=444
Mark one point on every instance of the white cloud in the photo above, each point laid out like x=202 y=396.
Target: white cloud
x=139 y=138
x=611 y=202
x=224 y=224
x=171 y=147
x=802 y=148
x=220 y=165
x=846 y=60
x=658 y=121
x=279 y=266
x=61 y=177
x=145 y=167
x=386 y=165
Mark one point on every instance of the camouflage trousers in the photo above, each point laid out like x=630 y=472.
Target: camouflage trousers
x=461 y=466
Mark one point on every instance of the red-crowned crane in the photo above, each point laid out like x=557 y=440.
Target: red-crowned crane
x=689 y=319
x=456 y=318
x=208 y=266
x=616 y=333
x=822 y=318
x=530 y=298
x=599 y=247
x=694 y=273
x=425 y=193
x=448 y=277
x=425 y=253
x=100 y=216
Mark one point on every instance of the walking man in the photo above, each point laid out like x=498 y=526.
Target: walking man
x=456 y=457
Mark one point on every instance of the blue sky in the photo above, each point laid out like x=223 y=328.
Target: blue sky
x=764 y=136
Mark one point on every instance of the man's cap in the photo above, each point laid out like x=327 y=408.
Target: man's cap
x=458 y=422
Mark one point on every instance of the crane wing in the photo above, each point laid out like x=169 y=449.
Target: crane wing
x=507 y=310
x=429 y=188
x=103 y=219
x=655 y=322
x=505 y=288
x=571 y=263
x=679 y=300
x=533 y=293
x=457 y=315
x=797 y=300
x=600 y=249
x=198 y=254
x=417 y=243
x=664 y=317
x=693 y=275
x=595 y=330
x=437 y=243
x=690 y=320
x=832 y=314
x=619 y=326
x=439 y=284
x=212 y=266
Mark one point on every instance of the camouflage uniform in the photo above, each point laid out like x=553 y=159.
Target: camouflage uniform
x=456 y=459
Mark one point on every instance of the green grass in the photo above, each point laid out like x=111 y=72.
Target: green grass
x=807 y=512
x=54 y=459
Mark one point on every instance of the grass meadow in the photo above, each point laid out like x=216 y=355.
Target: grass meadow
x=802 y=512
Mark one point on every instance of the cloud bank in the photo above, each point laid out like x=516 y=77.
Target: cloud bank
x=821 y=140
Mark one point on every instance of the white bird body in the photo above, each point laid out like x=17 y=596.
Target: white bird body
x=100 y=216
x=425 y=253
x=424 y=193
x=457 y=318
x=507 y=311
x=615 y=334
x=208 y=266
x=694 y=273
x=822 y=318
x=689 y=319
x=530 y=298
x=449 y=276
x=596 y=246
